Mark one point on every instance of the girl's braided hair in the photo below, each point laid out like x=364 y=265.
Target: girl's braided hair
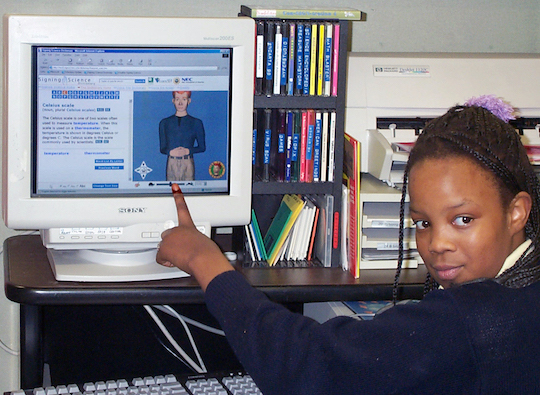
x=475 y=132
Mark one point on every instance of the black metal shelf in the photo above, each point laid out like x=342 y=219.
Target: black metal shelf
x=296 y=102
x=274 y=187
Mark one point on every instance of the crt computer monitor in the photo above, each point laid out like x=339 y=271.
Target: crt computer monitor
x=85 y=149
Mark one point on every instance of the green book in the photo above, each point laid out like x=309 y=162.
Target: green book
x=288 y=211
x=258 y=235
x=272 y=12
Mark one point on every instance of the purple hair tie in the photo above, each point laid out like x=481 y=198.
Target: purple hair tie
x=496 y=105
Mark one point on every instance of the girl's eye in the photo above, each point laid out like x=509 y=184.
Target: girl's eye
x=462 y=221
x=421 y=224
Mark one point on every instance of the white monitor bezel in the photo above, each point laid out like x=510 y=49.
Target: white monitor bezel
x=21 y=32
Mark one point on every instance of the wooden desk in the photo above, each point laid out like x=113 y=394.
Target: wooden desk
x=29 y=281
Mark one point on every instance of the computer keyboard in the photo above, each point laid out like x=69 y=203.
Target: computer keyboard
x=237 y=383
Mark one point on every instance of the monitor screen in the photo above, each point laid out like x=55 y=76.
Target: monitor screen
x=106 y=120
x=102 y=114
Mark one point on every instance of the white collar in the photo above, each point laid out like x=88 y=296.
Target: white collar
x=514 y=256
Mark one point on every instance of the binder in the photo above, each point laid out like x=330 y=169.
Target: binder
x=269 y=69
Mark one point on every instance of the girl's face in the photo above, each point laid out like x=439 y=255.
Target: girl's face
x=463 y=232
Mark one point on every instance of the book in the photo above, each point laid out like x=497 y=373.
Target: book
x=281 y=156
x=278 y=48
x=344 y=258
x=303 y=145
x=351 y=178
x=307 y=59
x=324 y=146
x=310 y=145
x=269 y=56
x=335 y=59
x=267 y=145
x=295 y=236
x=317 y=147
x=254 y=144
x=308 y=229
x=259 y=58
x=250 y=244
x=291 y=70
x=313 y=59
x=331 y=146
x=287 y=213
x=284 y=76
x=299 y=59
x=320 y=58
x=272 y=12
x=327 y=60
x=296 y=146
x=315 y=229
x=258 y=236
x=289 y=147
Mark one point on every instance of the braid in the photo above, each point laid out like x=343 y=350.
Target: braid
x=401 y=237
x=476 y=133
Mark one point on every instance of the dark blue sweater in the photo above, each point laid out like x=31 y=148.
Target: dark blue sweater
x=479 y=338
x=186 y=131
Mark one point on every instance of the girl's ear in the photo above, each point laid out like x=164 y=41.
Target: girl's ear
x=519 y=210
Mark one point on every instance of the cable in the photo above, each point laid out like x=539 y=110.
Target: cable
x=190 y=337
x=169 y=310
x=4 y=347
x=169 y=337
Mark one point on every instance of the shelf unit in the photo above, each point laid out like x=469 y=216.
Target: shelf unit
x=267 y=194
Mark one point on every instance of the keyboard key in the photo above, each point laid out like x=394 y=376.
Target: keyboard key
x=39 y=391
x=208 y=384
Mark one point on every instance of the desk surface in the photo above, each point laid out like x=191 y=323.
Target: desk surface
x=29 y=280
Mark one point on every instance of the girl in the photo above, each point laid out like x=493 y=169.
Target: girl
x=473 y=198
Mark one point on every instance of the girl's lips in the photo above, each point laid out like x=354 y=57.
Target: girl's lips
x=448 y=273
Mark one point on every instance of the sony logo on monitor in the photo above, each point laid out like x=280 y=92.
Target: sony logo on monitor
x=131 y=210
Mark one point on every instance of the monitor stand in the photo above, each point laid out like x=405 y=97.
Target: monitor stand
x=109 y=266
